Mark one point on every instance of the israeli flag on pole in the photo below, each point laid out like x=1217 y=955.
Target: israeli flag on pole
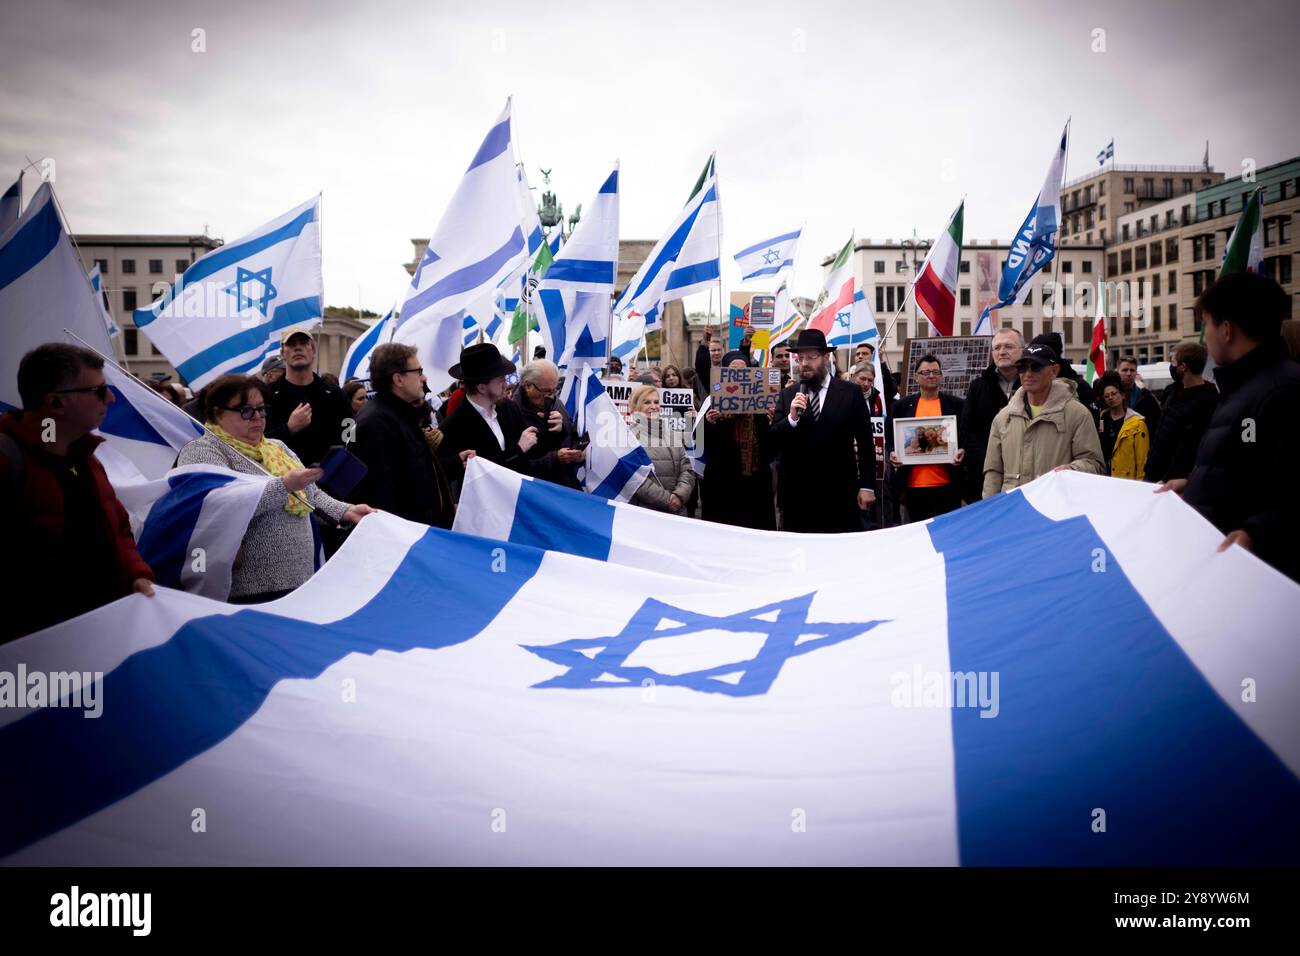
x=44 y=290
x=1107 y=152
x=356 y=364
x=97 y=284
x=227 y=310
x=195 y=526
x=479 y=242
x=144 y=432
x=711 y=692
x=683 y=262
x=1035 y=242
x=574 y=296
x=854 y=325
x=616 y=464
x=769 y=257
x=9 y=205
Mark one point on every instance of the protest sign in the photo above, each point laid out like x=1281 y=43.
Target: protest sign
x=744 y=391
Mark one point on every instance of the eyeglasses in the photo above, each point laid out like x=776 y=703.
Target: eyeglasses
x=930 y=372
x=1023 y=367
x=101 y=391
x=247 y=412
x=410 y=371
x=544 y=392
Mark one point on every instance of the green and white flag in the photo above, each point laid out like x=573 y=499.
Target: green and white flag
x=524 y=320
x=1245 y=249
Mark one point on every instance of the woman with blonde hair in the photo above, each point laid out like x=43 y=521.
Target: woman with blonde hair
x=671 y=481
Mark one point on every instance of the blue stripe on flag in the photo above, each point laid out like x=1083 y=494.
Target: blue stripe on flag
x=165 y=538
x=1072 y=688
x=495 y=143
x=363 y=348
x=290 y=313
x=587 y=521
x=73 y=767
x=611 y=184
x=770 y=270
x=771 y=242
x=614 y=483
x=690 y=275
x=222 y=258
x=462 y=280
x=581 y=270
x=124 y=420
x=30 y=244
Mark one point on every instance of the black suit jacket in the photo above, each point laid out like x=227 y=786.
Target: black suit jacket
x=824 y=462
x=465 y=428
x=906 y=408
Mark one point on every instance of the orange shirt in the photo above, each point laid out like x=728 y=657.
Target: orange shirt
x=927 y=476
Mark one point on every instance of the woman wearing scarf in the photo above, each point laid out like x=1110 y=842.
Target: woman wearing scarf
x=672 y=481
x=279 y=549
x=737 y=484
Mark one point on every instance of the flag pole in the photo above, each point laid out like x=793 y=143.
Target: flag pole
x=256 y=464
x=1057 y=296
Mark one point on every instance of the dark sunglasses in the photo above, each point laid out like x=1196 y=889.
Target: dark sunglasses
x=246 y=412
x=1023 y=367
x=101 y=391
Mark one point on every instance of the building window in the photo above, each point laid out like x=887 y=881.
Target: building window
x=1155 y=317
x=965 y=266
x=1278 y=268
x=1027 y=329
x=1128 y=184
x=1088 y=238
x=103 y=266
x=880 y=296
x=1171 y=250
x=965 y=295
x=182 y=265
x=1112 y=263
x=130 y=341
x=155 y=267
x=1124 y=232
x=1173 y=318
x=1067 y=330
x=1187 y=185
x=1067 y=266
x=1126 y=262
x=128 y=266
x=1112 y=326
x=1173 y=280
x=1128 y=207
x=880 y=267
x=1155 y=284
x=900 y=266
x=1128 y=325
x=1140 y=258
x=1209 y=246
x=1101 y=191
x=1087 y=266
x=1283 y=230
x=1157 y=254
x=128 y=300
x=901 y=334
x=965 y=328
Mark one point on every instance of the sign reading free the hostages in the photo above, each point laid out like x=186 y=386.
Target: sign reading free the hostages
x=744 y=391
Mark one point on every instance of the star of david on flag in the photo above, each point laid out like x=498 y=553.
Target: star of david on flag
x=769 y=257
x=252 y=290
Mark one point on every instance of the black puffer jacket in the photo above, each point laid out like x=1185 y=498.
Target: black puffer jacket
x=401 y=474
x=1186 y=416
x=984 y=399
x=1246 y=466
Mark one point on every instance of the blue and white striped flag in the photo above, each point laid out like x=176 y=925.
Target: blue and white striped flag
x=683 y=262
x=1035 y=242
x=144 y=432
x=855 y=325
x=10 y=204
x=97 y=284
x=227 y=310
x=721 y=688
x=44 y=291
x=574 y=296
x=479 y=242
x=616 y=464
x=356 y=364
x=769 y=257
x=195 y=527
x=1106 y=152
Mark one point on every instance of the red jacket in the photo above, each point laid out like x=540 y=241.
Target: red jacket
x=38 y=518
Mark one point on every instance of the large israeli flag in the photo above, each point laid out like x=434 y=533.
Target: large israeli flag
x=725 y=696
x=685 y=261
x=227 y=310
x=575 y=295
x=769 y=257
x=356 y=364
x=1035 y=242
x=616 y=464
x=196 y=517
x=44 y=291
x=478 y=243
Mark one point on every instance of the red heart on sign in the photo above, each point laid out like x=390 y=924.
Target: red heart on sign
x=732 y=388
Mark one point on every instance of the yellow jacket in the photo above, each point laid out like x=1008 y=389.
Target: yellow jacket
x=1129 y=459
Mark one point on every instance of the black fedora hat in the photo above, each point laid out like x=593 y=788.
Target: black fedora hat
x=478 y=363
x=811 y=340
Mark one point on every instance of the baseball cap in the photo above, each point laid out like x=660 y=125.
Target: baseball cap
x=1037 y=353
x=293 y=330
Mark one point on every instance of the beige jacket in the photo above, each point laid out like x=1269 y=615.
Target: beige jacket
x=1020 y=448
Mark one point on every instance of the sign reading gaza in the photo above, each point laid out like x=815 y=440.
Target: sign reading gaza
x=744 y=391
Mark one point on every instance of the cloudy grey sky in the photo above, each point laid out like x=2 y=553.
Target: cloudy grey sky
x=851 y=115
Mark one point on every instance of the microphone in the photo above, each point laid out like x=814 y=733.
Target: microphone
x=805 y=390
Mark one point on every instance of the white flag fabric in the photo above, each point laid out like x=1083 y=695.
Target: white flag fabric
x=616 y=464
x=143 y=431
x=575 y=295
x=226 y=312
x=683 y=262
x=724 y=696
x=854 y=325
x=97 y=286
x=769 y=257
x=43 y=291
x=479 y=242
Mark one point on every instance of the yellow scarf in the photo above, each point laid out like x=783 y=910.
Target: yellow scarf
x=271 y=456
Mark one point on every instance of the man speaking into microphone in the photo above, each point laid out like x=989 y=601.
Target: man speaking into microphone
x=821 y=429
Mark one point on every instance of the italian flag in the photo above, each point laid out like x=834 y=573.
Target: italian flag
x=936 y=285
x=1097 y=351
x=1245 y=249
x=837 y=296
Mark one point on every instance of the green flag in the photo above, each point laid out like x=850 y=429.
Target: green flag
x=699 y=183
x=1245 y=249
x=524 y=320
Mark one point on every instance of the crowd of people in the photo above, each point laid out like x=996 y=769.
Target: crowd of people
x=1226 y=444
